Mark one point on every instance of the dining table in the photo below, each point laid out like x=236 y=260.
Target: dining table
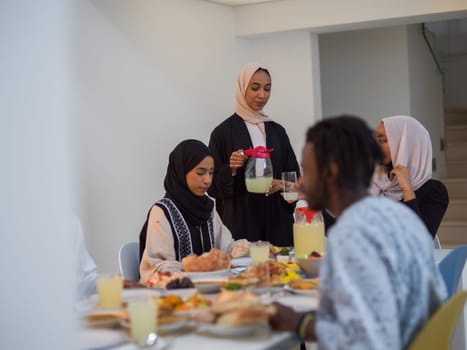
x=196 y=335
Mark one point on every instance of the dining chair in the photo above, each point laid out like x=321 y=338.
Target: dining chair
x=451 y=268
x=437 y=243
x=128 y=261
x=436 y=334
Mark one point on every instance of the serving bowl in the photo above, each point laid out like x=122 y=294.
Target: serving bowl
x=309 y=266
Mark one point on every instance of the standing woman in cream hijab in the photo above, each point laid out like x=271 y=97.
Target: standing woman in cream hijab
x=248 y=215
x=405 y=174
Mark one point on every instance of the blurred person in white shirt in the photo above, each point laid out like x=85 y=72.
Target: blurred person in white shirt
x=86 y=271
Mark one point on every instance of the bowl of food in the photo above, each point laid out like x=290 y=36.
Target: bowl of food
x=310 y=266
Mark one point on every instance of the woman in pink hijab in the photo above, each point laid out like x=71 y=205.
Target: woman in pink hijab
x=406 y=172
x=248 y=215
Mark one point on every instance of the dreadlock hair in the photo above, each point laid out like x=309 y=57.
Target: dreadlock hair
x=348 y=141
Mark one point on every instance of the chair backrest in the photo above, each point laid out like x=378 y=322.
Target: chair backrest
x=128 y=261
x=437 y=242
x=451 y=267
x=436 y=334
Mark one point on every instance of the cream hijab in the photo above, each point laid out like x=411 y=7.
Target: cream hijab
x=241 y=107
x=410 y=146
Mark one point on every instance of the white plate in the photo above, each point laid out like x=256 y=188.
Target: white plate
x=310 y=292
x=232 y=331
x=183 y=293
x=128 y=294
x=163 y=328
x=241 y=262
x=94 y=339
x=300 y=303
x=208 y=276
x=208 y=287
x=174 y=326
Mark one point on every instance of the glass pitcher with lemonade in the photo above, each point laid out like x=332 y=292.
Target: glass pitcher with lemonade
x=308 y=232
x=258 y=171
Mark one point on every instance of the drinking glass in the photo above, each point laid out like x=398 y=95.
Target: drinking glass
x=259 y=252
x=109 y=288
x=289 y=186
x=143 y=317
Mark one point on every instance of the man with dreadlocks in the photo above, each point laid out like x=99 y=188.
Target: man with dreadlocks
x=379 y=279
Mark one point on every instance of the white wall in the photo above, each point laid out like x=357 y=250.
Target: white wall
x=455 y=80
x=376 y=73
x=365 y=73
x=294 y=65
x=426 y=93
x=36 y=257
x=152 y=73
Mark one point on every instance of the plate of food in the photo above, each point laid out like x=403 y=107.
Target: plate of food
x=218 y=275
x=208 y=287
x=172 y=325
x=103 y=317
x=213 y=261
x=164 y=324
x=234 y=314
x=303 y=286
x=127 y=294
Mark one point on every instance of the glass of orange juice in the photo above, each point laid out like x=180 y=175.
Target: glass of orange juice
x=109 y=288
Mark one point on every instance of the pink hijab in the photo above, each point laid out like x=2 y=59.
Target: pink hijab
x=241 y=107
x=410 y=146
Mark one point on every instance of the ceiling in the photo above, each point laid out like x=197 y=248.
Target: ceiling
x=451 y=36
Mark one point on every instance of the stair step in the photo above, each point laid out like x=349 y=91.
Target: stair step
x=455 y=116
x=457 y=210
x=456 y=168
x=452 y=233
x=456 y=186
x=456 y=133
x=456 y=150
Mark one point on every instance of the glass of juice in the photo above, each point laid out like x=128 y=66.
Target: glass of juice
x=259 y=271
x=289 y=186
x=143 y=317
x=109 y=288
x=259 y=251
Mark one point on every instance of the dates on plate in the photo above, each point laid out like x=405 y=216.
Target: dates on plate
x=179 y=283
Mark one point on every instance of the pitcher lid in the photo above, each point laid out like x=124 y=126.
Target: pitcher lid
x=258 y=152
